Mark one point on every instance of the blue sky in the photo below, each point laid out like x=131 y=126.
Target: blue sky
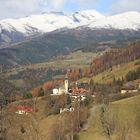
x=21 y=8
x=102 y=6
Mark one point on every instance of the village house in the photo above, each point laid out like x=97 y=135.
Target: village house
x=66 y=109
x=23 y=110
x=129 y=88
x=79 y=93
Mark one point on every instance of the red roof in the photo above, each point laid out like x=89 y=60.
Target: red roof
x=25 y=108
x=79 y=91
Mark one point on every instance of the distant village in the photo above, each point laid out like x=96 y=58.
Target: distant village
x=78 y=92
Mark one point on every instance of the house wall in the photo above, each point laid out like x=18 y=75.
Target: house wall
x=66 y=85
x=128 y=91
x=123 y=91
x=133 y=91
x=21 y=112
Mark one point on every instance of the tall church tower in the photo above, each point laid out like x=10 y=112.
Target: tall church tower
x=66 y=84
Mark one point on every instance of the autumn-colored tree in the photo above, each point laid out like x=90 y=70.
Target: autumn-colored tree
x=35 y=93
x=115 y=57
x=19 y=97
x=86 y=72
x=63 y=100
x=12 y=108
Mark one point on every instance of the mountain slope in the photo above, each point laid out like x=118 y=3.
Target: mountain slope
x=54 y=44
x=15 y=30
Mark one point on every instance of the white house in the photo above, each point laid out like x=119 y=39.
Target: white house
x=66 y=109
x=82 y=97
x=123 y=91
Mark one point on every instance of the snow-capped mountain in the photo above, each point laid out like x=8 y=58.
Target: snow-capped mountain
x=88 y=16
x=49 y=21
x=42 y=23
x=16 y=30
x=128 y=20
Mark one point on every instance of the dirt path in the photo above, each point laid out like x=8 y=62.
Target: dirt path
x=93 y=111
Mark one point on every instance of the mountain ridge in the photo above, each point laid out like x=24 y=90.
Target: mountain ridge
x=17 y=30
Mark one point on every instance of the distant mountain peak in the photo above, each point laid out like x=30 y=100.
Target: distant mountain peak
x=90 y=15
x=123 y=21
x=19 y=29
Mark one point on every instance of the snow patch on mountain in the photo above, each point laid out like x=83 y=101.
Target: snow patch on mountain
x=87 y=16
x=16 y=30
x=128 y=20
x=49 y=21
x=44 y=23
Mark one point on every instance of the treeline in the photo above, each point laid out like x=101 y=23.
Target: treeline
x=40 y=75
x=7 y=91
x=133 y=75
x=75 y=74
x=43 y=89
x=115 y=57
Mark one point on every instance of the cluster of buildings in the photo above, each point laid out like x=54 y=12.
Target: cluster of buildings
x=79 y=91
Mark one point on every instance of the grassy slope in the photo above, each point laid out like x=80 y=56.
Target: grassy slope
x=125 y=111
x=31 y=121
x=118 y=72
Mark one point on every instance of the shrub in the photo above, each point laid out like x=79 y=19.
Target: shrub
x=27 y=96
x=76 y=137
x=56 y=109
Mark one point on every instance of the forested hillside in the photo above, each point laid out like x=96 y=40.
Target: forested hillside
x=115 y=57
x=58 y=43
x=112 y=57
